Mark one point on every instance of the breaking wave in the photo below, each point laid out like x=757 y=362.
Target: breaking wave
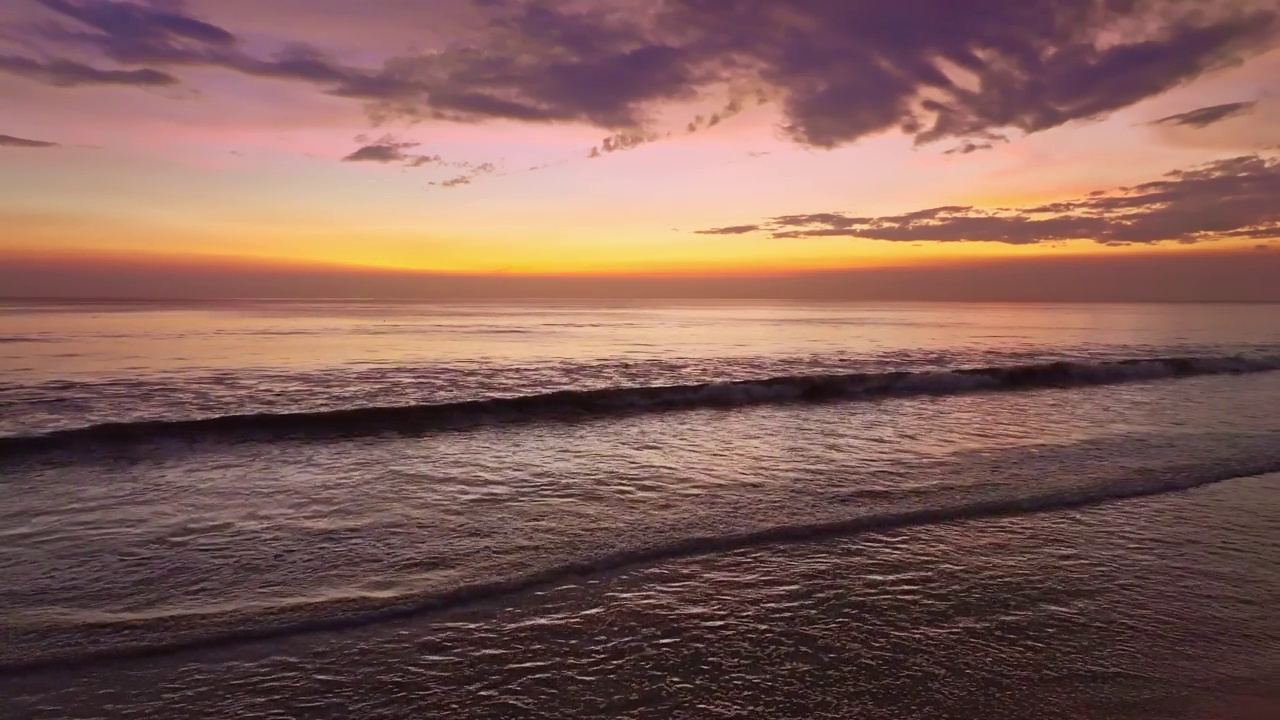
x=352 y=614
x=583 y=404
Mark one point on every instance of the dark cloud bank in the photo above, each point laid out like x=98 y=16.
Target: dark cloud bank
x=1235 y=198
x=839 y=69
x=1198 y=276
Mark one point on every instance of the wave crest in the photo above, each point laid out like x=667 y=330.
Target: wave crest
x=584 y=404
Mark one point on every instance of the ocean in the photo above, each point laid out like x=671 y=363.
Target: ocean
x=359 y=509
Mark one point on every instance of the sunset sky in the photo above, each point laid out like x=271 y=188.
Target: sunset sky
x=267 y=147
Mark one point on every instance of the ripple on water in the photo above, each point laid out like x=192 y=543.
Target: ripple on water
x=1083 y=614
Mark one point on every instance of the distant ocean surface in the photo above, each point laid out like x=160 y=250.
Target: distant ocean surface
x=263 y=509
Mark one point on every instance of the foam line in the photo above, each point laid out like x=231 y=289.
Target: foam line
x=345 y=616
x=583 y=404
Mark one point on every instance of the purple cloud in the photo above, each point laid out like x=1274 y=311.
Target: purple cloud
x=68 y=73
x=473 y=172
x=839 y=70
x=1206 y=116
x=143 y=34
x=124 y=21
x=388 y=150
x=1228 y=199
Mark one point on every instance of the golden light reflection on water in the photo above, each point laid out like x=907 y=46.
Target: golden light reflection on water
x=120 y=339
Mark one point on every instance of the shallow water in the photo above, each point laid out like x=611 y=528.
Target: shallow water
x=1046 y=549
x=71 y=365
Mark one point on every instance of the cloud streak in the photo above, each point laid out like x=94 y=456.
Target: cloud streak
x=17 y=142
x=389 y=150
x=1206 y=116
x=981 y=141
x=134 y=34
x=473 y=172
x=1228 y=199
x=69 y=73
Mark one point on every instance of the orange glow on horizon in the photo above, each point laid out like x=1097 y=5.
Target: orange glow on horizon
x=229 y=263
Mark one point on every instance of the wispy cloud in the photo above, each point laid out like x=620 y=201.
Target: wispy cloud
x=11 y=141
x=619 y=143
x=967 y=147
x=388 y=150
x=379 y=154
x=139 y=31
x=473 y=172
x=69 y=73
x=1206 y=116
x=985 y=140
x=1227 y=199
x=158 y=35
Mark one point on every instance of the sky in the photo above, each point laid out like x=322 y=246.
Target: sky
x=915 y=149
